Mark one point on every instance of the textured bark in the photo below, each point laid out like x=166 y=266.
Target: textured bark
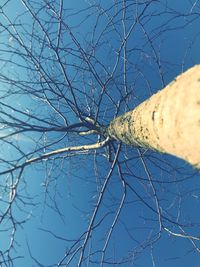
x=168 y=122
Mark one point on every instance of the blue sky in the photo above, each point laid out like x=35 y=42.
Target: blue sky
x=57 y=196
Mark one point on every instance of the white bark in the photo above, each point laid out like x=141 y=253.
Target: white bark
x=168 y=122
x=69 y=150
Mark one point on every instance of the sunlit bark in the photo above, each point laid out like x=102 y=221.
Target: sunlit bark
x=168 y=122
x=67 y=69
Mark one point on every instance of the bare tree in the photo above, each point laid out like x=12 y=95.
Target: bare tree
x=71 y=195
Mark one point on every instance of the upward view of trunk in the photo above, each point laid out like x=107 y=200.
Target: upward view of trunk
x=168 y=122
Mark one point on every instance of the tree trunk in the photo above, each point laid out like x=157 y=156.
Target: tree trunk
x=168 y=122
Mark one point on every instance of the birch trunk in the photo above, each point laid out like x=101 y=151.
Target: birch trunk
x=168 y=122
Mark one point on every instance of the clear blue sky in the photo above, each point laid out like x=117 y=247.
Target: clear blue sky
x=162 y=43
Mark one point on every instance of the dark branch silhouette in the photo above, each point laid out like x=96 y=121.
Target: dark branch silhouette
x=71 y=193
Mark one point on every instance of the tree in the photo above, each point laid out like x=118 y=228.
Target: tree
x=169 y=121
x=70 y=194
